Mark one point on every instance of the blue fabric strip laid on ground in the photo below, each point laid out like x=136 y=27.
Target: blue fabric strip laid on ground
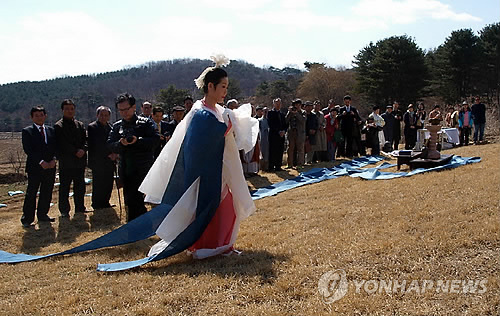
x=145 y=226
x=315 y=175
x=140 y=228
x=376 y=174
x=353 y=169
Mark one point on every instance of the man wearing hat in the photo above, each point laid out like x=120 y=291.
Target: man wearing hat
x=232 y=104
x=147 y=110
x=465 y=123
x=177 y=116
x=410 y=130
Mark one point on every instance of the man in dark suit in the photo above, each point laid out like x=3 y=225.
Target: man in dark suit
x=39 y=144
x=398 y=116
x=277 y=129
x=349 y=124
x=101 y=159
x=162 y=128
x=72 y=156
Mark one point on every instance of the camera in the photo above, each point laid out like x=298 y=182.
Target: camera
x=127 y=133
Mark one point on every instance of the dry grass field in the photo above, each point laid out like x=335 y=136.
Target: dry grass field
x=434 y=226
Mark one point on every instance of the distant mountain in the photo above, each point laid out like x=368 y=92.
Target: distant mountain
x=144 y=82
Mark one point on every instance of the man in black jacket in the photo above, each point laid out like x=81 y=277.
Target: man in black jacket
x=39 y=144
x=134 y=138
x=398 y=117
x=277 y=129
x=478 y=111
x=101 y=159
x=72 y=155
x=388 y=128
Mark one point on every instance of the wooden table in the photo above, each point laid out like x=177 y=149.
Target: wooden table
x=429 y=163
x=405 y=159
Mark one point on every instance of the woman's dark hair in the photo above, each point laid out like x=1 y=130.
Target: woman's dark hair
x=213 y=76
x=125 y=97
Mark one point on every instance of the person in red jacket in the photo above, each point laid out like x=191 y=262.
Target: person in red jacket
x=332 y=130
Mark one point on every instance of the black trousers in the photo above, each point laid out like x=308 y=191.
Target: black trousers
x=348 y=140
x=66 y=176
x=134 y=200
x=395 y=140
x=45 y=181
x=410 y=138
x=102 y=186
x=464 y=135
x=375 y=149
x=276 y=147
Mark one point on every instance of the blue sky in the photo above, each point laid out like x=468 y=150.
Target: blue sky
x=47 y=39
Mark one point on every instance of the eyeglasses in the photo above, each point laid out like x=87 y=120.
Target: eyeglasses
x=124 y=110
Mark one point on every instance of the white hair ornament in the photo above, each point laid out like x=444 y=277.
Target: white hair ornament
x=220 y=60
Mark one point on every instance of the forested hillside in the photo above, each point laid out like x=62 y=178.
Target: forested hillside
x=391 y=69
x=144 y=82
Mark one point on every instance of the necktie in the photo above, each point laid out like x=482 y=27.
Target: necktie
x=43 y=134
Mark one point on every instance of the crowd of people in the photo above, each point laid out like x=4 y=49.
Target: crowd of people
x=134 y=141
x=309 y=133
x=467 y=119
x=306 y=131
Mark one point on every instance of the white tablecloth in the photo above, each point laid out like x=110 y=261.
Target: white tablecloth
x=451 y=135
x=448 y=135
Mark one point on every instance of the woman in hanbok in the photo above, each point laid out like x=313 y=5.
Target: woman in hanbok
x=320 y=147
x=199 y=174
x=264 y=140
x=251 y=159
x=197 y=182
